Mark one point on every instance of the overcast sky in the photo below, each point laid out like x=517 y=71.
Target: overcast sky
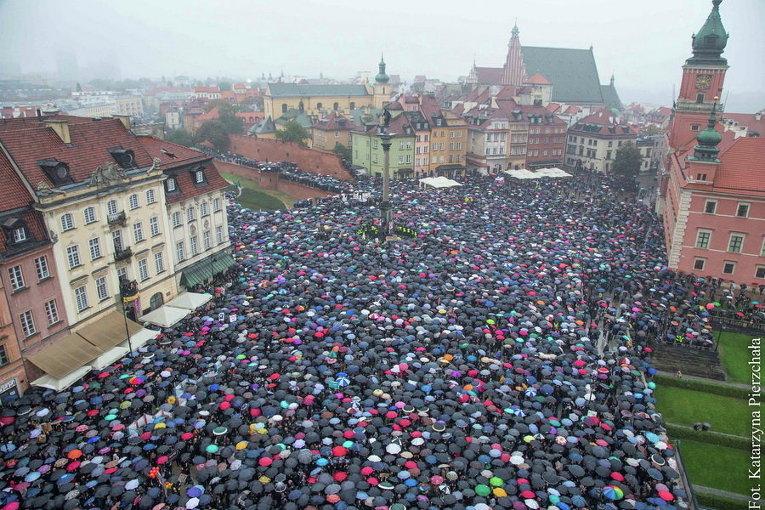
x=643 y=42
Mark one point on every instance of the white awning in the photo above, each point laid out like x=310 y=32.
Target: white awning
x=62 y=383
x=165 y=316
x=438 y=182
x=537 y=174
x=109 y=357
x=140 y=338
x=190 y=300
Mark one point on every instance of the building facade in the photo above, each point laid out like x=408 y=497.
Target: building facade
x=328 y=132
x=592 y=142
x=368 y=152
x=546 y=138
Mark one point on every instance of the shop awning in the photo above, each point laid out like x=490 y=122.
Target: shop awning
x=109 y=357
x=200 y=272
x=140 y=338
x=62 y=383
x=190 y=300
x=109 y=330
x=65 y=355
x=165 y=316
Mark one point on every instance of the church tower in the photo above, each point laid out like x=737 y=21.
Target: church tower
x=513 y=72
x=381 y=90
x=702 y=82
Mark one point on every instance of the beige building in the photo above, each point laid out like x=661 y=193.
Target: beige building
x=593 y=141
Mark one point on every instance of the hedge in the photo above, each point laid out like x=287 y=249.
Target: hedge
x=676 y=431
x=718 y=388
x=720 y=500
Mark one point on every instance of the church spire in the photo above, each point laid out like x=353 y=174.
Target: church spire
x=709 y=42
x=513 y=72
x=706 y=148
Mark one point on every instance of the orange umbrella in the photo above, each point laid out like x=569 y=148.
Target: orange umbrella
x=74 y=454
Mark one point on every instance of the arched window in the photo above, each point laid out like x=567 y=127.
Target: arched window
x=284 y=107
x=301 y=107
x=319 y=106
x=336 y=106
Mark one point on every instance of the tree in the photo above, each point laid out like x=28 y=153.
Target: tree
x=224 y=86
x=651 y=129
x=214 y=131
x=342 y=151
x=293 y=132
x=627 y=164
x=227 y=117
x=181 y=137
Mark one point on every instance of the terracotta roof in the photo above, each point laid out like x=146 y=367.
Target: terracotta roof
x=13 y=193
x=538 y=79
x=170 y=154
x=489 y=75
x=30 y=140
x=748 y=120
x=36 y=232
x=188 y=188
x=552 y=107
x=333 y=122
x=742 y=165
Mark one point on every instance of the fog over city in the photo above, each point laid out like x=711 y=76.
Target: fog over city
x=640 y=42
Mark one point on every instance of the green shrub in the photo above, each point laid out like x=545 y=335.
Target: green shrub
x=727 y=501
x=717 y=438
x=718 y=388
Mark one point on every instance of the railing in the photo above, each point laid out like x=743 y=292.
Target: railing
x=746 y=326
x=116 y=218
x=122 y=253
x=693 y=504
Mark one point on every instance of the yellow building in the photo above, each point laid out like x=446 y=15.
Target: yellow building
x=101 y=197
x=448 y=139
x=328 y=132
x=317 y=99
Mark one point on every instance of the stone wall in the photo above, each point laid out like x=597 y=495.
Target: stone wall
x=272 y=181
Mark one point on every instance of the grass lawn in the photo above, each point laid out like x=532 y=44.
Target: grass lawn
x=256 y=197
x=735 y=356
x=719 y=467
x=686 y=407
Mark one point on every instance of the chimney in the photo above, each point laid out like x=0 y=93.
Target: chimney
x=125 y=119
x=61 y=127
x=758 y=116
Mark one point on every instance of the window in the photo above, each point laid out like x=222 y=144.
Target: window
x=284 y=107
x=111 y=207
x=122 y=273
x=117 y=238
x=133 y=201
x=154 y=226
x=176 y=219
x=319 y=106
x=219 y=233
x=138 y=232
x=73 y=256
x=90 y=215
x=216 y=205
x=204 y=209
x=190 y=214
x=19 y=234
x=702 y=238
x=735 y=243
x=352 y=105
x=199 y=176
x=51 y=312
x=150 y=198
x=95 y=248
x=710 y=206
x=67 y=222
x=81 y=297
x=180 y=251
x=699 y=264
x=694 y=127
x=3 y=356
x=742 y=211
x=206 y=239
x=335 y=106
x=159 y=263
x=101 y=291
x=17 y=277
x=193 y=241
x=143 y=270
x=759 y=272
x=170 y=184
x=41 y=264
x=729 y=267
x=27 y=323
x=700 y=97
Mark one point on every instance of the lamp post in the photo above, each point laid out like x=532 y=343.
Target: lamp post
x=125 y=295
x=385 y=208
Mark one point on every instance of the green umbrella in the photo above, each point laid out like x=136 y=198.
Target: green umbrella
x=212 y=448
x=496 y=481
x=482 y=490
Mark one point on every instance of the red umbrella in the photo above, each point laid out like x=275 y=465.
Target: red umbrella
x=74 y=454
x=339 y=451
x=617 y=476
x=666 y=496
x=265 y=461
x=436 y=480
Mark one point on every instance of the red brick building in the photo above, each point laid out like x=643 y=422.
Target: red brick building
x=713 y=198
x=547 y=137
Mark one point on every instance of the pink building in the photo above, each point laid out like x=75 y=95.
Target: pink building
x=713 y=197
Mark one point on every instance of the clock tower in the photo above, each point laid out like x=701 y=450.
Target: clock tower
x=702 y=83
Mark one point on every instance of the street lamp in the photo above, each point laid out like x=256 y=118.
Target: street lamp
x=385 y=207
x=128 y=294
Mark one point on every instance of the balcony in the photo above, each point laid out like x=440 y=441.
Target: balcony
x=122 y=253
x=116 y=219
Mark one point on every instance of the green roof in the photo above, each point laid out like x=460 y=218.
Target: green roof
x=610 y=97
x=572 y=72
x=300 y=117
x=203 y=270
x=305 y=90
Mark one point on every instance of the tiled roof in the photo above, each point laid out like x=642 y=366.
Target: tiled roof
x=611 y=97
x=538 y=79
x=572 y=72
x=548 y=117
x=489 y=75
x=748 y=120
x=552 y=107
x=30 y=140
x=13 y=193
x=36 y=232
x=333 y=122
x=742 y=165
x=300 y=89
x=170 y=154
x=601 y=122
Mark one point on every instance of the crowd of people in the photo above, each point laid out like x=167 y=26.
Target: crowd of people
x=497 y=356
x=285 y=169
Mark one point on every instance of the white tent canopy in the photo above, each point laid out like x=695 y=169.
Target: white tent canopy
x=62 y=383
x=109 y=357
x=140 y=338
x=537 y=174
x=165 y=316
x=438 y=182
x=190 y=300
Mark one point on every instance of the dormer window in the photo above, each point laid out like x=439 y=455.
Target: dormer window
x=198 y=175
x=15 y=231
x=125 y=158
x=171 y=185
x=57 y=171
x=19 y=234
